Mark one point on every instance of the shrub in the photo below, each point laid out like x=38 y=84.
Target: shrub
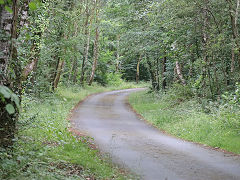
x=178 y=93
x=114 y=79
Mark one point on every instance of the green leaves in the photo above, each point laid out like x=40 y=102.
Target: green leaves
x=33 y=5
x=8 y=9
x=10 y=109
x=7 y=94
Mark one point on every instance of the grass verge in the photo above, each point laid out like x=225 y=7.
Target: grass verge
x=45 y=149
x=185 y=118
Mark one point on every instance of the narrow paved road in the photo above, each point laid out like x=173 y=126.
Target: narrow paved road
x=143 y=149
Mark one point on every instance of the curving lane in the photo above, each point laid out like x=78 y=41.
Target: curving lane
x=135 y=145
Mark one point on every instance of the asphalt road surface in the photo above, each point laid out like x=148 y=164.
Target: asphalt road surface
x=135 y=145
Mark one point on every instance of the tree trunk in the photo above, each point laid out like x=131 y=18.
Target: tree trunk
x=15 y=63
x=157 y=75
x=29 y=68
x=75 y=62
x=96 y=48
x=23 y=12
x=85 y=59
x=118 y=56
x=205 y=42
x=74 y=65
x=152 y=74
x=87 y=43
x=179 y=73
x=138 y=69
x=75 y=71
x=9 y=59
x=33 y=64
x=6 y=26
x=233 y=13
x=164 y=69
x=58 y=75
x=35 y=49
x=233 y=59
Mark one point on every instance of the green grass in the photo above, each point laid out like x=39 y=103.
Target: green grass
x=185 y=118
x=45 y=149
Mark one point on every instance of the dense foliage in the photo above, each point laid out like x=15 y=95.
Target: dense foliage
x=193 y=42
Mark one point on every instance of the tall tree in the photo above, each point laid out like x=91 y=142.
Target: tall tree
x=87 y=34
x=9 y=63
x=96 y=44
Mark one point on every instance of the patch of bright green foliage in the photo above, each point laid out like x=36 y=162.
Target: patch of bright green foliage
x=7 y=94
x=216 y=124
x=45 y=149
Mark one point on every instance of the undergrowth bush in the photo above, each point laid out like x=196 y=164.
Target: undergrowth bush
x=229 y=109
x=114 y=79
x=176 y=94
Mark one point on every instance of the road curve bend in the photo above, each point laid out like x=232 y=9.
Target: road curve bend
x=133 y=144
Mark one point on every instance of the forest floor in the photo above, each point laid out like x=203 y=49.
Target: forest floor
x=134 y=144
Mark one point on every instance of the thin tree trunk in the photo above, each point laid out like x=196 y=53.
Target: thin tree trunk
x=216 y=76
x=118 y=56
x=138 y=69
x=87 y=35
x=207 y=71
x=75 y=71
x=233 y=13
x=35 y=50
x=85 y=59
x=86 y=46
x=71 y=70
x=95 y=58
x=157 y=75
x=74 y=64
x=179 y=73
x=58 y=75
x=96 y=48
x=59 y=68
x=205 y=42
x=233 y=59
x=152 y=73
x=29 y=68
x=54 y=73
x=164 y=68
